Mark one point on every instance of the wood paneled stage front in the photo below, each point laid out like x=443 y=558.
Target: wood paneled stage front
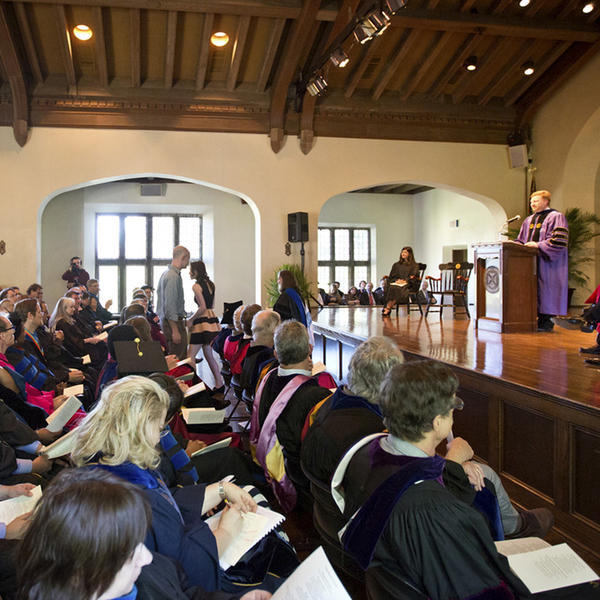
x=532 y=406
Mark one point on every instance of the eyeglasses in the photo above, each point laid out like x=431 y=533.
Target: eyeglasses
x=7 y=329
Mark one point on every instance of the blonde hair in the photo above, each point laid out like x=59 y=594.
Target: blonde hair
x=60 y=312
x=237 y=319
x=120 y=426
x=543 y=193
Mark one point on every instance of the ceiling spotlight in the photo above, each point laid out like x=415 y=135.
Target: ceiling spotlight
x=379 y=21
x=82 y=32
x=471 y=63
x=528 y=68
x=339 y=58
x=363 y=32
x=391 y=7
x=524 y=3
x=588 y=7
x=317 y=85
x=219 y=39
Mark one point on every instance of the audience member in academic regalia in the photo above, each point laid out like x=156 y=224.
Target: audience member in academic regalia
x=263 y=328
x=102 y=312
x=282 y=401
x=231 y=346
x=75 y=340
x=422 y=524
x=352 y=412
x=290 y=304
x=121 y=436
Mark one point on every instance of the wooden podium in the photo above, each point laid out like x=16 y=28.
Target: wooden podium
x=506 y=287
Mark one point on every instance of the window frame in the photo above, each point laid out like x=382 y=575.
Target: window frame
x=351 y=263
x=121 y=262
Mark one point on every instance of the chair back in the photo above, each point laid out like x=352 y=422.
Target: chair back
x=455 y=277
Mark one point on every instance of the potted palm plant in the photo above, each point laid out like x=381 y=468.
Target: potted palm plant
x=582 y=231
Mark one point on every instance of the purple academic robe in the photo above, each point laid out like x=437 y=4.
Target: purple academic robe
x=553 y=260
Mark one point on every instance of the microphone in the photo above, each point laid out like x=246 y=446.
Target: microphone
x=515 y=218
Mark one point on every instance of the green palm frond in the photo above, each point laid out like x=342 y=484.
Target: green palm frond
x=582 y=230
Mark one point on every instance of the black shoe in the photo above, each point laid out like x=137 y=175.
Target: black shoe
x=220 y=390
x=591 y=350
x=220 y=404
x=547 y=328
x=595 y=362
x=573 y=323
x=534 y=523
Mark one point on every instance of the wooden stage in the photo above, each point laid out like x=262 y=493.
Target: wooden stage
x=532 y=406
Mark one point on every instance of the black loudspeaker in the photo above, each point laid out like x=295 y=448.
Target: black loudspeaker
x=298 y=227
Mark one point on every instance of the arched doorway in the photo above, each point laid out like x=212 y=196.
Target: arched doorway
x=227 y=223
x=439 y=222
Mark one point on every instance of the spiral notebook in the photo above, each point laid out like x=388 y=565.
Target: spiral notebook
x=255 y=527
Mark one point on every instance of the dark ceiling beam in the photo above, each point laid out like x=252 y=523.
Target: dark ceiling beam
x=100 y=46
x=507 y=70
x=170 y=48
x=309 y=103
x=135 y=47
x=278 y=9
x=288 y=68
x=399 y=54
x=500 y=6
x=238 y=51
x=423 y=68
x=570 y=62
x=64 y=41
x=270 y=53
x=14 y=71
x=453 y=64
x=495 y=25
x=484 y=71
x=28 y=42
x=204 y=52
x=540 y=68
x=361 y=65
x=568 y=6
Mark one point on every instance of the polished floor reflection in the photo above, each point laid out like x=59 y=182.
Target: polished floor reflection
x=548 y=362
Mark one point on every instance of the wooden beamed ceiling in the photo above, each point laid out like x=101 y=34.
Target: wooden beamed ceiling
x=150 y=65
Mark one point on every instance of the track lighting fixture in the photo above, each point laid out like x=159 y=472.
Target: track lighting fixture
x=317 y=85
x=471 y=63
x=379 y=21
x=391 y=7
x=528 y=68
x=339 y=58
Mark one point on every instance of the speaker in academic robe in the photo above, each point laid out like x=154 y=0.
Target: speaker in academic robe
x=298 y=227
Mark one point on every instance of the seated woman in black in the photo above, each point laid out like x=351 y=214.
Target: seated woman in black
x=401 y=280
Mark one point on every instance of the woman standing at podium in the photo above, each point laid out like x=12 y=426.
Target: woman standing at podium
x=401 y=280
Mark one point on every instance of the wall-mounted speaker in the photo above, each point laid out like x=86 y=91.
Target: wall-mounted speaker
x=298 y=227
x=517 y=156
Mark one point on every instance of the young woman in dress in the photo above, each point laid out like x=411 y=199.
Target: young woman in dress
x=401 y=280
x=204 y=324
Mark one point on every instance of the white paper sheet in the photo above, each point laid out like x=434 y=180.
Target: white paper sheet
x=314 y=579
x=73 y=390
x=15 y=507
x=59 y=418
x=195 y=389
x=520 y=545
x=550 y=568
x=198 y=416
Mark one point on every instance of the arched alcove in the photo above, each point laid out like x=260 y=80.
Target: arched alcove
x=229 y=232
x=440 y=222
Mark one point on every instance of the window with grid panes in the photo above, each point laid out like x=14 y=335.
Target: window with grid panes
x=344 y=256
x=135 y=248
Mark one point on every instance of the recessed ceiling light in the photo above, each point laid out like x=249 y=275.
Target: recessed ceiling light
x=524 y=3
x=82 y=32
x=528 y=68
x=219 y=39
x=588 y=7
x=471 y=63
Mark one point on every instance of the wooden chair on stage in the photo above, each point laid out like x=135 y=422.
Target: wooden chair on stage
x=453 y=281
x=413 y=297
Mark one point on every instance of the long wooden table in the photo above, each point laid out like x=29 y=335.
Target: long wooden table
x=532 y=406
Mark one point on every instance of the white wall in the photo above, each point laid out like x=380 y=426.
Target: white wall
x=434 y=211
x=228 y=232
x=421 y=221
x=55 y=160
x=389 y=216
